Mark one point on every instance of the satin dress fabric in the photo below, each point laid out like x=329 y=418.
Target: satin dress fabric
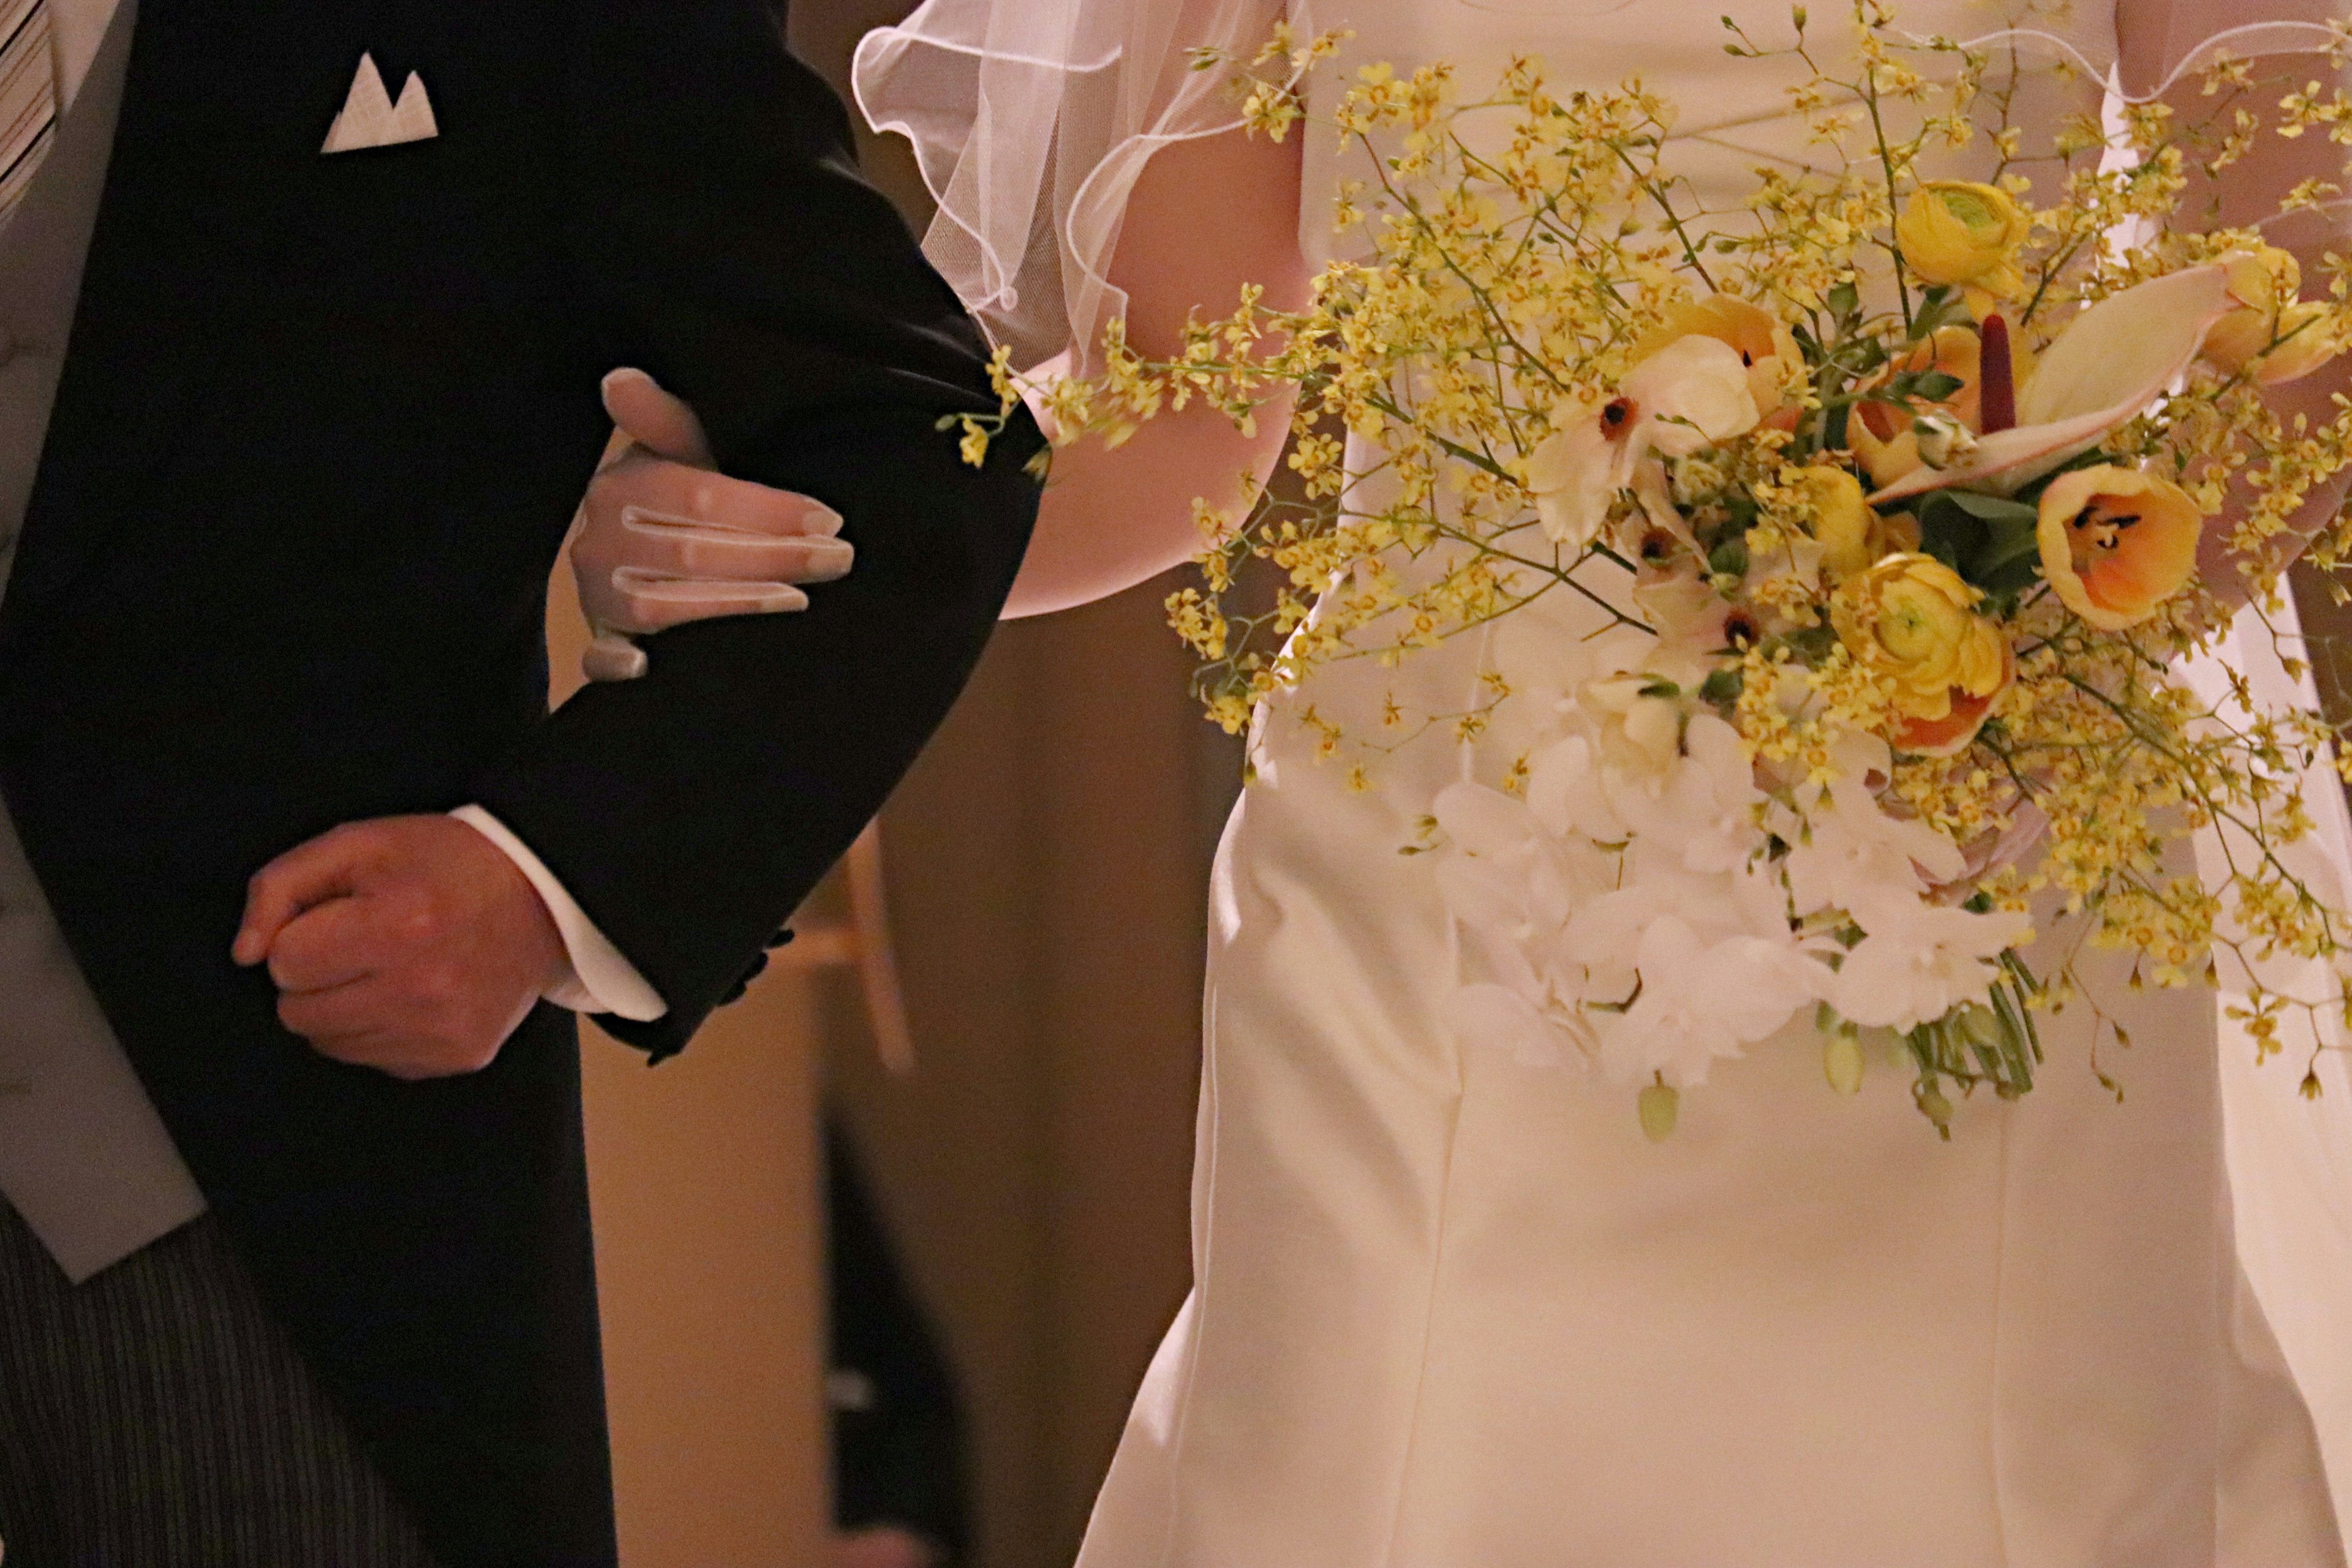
x=1456 y=1311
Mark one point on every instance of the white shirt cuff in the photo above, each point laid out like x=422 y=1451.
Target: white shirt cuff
x=601 y=980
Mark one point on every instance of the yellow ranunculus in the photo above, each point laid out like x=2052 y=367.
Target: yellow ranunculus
x=2116 y=542
x=1841 y=519
x=1765 y=345
x=1964 y=234
x=1949 y=735
x=1912 y=620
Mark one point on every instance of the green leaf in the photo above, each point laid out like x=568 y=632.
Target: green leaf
x=1935 y=385
x=2011 y=559
x=1992 y=509
x=1950 y=532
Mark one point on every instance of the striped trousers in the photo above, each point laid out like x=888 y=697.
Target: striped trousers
x=157 y=1418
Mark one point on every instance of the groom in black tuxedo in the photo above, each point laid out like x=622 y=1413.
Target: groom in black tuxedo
x=322 y=423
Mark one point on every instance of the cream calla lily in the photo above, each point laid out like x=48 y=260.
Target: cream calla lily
x=2108 y=366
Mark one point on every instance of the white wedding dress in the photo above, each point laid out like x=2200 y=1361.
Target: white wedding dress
x=1455 y=1311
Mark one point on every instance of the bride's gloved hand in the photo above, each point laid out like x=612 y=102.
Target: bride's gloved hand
x=665 y=539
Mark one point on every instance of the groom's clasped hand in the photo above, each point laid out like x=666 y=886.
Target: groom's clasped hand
x=414 y=944
x=409 y=945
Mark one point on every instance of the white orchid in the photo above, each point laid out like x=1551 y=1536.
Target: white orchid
x=1693 y=392
x=1920 y=961
x=1702 y=1001
x=1506 y=872
x=1845 y=851
x=2107 y=367
x=1702 y=803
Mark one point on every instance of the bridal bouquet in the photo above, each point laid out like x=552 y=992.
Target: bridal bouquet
x=1830 y=555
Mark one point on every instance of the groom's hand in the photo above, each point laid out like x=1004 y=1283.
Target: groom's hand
x=409 y=945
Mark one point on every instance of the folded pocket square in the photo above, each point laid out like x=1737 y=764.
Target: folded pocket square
x=370 y=119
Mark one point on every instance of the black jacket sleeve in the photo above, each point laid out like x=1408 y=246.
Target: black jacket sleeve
x=728 y=247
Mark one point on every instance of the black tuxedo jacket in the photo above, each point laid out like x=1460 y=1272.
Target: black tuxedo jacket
x=323 y=424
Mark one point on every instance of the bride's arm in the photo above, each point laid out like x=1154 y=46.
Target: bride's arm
x=2156 y=36
x=1206 y=217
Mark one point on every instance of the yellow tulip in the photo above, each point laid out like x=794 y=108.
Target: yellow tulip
x=1912 y=620
x=2115 y=542
x=1765 y=345
x=2306 y=342
x=1967 y=234
x=1880 y=433
x=2279 y=336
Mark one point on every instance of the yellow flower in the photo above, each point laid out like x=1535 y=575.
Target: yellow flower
x=1911 y=621
x=1841 y=519
x=1880 y=433
x=2260 y=281
x=1764 y=343
x=2282 y=338
x=2116 y=542
x=2305 y=344
x=1956 y=232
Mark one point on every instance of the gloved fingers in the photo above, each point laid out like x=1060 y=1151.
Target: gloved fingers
x=609 y=656
x=659 y=488
x=682 y=547
x=653 y=420
x=650 y=601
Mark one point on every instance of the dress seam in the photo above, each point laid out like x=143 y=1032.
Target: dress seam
x=1999 y=1339
x=1445 y=1213
x=1181 y=1422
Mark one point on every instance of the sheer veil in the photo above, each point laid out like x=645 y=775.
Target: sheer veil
x=1031 y=121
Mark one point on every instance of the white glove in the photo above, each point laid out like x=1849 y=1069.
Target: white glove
x=664 y=539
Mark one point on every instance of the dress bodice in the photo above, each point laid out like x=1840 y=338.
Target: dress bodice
x=1732 y=113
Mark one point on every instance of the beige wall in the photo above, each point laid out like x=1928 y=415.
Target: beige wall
x=704 y=1181
x=1048 y=866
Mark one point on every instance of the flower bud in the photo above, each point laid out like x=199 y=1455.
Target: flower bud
x=1943 y=440
x=1658 y=1106
x=1980 y=1024
x=1842 y=1061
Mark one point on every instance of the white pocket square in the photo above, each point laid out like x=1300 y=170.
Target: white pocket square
x=370 y=118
